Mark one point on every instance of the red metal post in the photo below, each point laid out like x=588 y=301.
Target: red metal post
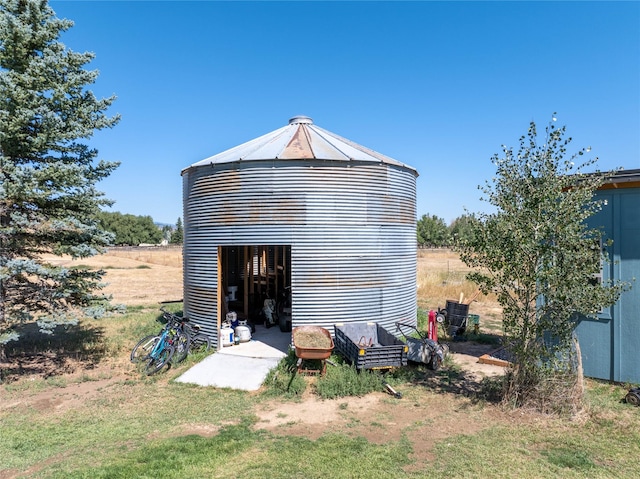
x=433 y=326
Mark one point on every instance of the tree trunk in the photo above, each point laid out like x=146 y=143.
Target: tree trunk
x=2 y=304
x=3 y=352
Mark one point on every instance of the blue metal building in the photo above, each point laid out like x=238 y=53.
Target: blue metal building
x=610 y=345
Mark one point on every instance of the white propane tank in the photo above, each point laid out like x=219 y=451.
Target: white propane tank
x=226 y=334
x=243 y=332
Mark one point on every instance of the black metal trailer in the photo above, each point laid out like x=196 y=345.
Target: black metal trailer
x=369 y=346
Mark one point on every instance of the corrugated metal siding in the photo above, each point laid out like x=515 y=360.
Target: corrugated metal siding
x=352 y=231
x=200 y=298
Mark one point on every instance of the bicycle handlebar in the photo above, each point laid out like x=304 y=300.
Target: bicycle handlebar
x=173 y=317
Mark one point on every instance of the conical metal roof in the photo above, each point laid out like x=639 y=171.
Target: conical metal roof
x=300 y=140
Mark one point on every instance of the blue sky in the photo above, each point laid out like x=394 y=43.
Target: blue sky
x=437 y=85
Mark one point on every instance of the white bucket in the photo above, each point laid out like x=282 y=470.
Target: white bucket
x=243 y=332
x=226 y=334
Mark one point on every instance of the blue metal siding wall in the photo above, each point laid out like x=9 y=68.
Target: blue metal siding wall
x=596 y=346
x=596 y=337
x=610 y=344
x=629 y=305
x=351 y=228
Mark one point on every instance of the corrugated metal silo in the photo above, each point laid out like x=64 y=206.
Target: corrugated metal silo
x=305 y=208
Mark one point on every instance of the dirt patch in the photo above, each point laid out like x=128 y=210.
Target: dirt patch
x=466 y=354
x=424 y=417
x=74 y=389
x=428 y=412
x=72 y=396
x=313 y=417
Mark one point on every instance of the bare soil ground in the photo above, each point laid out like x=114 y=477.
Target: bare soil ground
x=424 y=418
x=424 y=414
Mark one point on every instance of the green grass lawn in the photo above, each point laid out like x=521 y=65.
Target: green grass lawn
x=133 y=426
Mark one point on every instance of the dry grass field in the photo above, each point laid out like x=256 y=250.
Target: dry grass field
x=442 y=277
x=143 y=276
x=138 y=276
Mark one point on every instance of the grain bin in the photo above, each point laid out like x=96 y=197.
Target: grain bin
x=303 y=210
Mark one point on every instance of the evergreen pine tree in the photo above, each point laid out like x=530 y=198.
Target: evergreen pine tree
x=48 y=198
x=177 y=237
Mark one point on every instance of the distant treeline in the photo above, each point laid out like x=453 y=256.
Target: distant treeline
x=433 y=232
x=132 y=230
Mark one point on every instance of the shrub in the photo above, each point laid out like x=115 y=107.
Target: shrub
x=345 y=380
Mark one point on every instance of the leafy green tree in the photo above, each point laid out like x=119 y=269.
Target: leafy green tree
x=177 y=237
x=461 y=229
x=538 y=255
x=130 y=229
x=48 y=199
x=432 y=231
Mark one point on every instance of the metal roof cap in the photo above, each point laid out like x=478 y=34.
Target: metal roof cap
x=301 y=139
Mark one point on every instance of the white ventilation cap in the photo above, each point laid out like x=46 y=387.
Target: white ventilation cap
x=296 y=120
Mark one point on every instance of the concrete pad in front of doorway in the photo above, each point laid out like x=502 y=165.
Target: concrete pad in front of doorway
x=230 y=371
x=244 y=366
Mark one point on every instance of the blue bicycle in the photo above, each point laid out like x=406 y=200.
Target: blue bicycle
x=157 y=350
x=177 y=339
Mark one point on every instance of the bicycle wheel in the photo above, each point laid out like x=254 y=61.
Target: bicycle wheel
x=181 y=345
x=200 y=342
x=144 y=347
x=156 y=364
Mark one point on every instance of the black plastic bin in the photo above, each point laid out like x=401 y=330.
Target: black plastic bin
x=457 y=314
x=369 y=346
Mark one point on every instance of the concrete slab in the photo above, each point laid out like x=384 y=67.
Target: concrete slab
x=230 y=371
x=244 y=366
x=265 y=343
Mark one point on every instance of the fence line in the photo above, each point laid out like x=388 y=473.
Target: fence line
x=146 y=247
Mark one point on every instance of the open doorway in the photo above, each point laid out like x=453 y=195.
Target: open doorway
x=256 y=284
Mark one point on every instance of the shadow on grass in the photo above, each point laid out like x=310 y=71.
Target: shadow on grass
x=485 y=338
x=69 y=348
x=452 y=379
